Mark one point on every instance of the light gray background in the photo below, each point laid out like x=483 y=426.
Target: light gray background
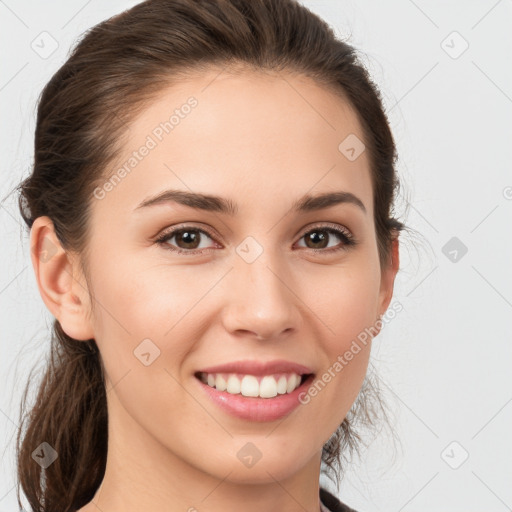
x=445 y=359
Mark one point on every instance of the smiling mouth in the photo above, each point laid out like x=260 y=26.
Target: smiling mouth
x=255 y=386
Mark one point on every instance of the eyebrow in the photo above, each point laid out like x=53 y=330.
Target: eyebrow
x=218 y=204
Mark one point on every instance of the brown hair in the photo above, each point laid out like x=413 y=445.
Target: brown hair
x=83 y=111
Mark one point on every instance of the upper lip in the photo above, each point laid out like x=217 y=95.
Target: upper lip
x=259 y=368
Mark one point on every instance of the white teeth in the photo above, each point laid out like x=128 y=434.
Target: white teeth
x=249 y=386
x=282 y=385
x=233 y=385
x=268 y=386
x=220 y=383
x=291 y=384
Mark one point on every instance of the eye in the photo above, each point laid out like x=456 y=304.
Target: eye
x=188 y=240
x=319 y=237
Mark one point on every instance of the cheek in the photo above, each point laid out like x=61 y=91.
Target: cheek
x=346 y=302
x=345 y=299
x=143 y=300
x=135 y=303
x=139 y=329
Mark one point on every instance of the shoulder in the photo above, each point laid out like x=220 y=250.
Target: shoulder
x=332 y=503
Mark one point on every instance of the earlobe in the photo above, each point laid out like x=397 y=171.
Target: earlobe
x=388 y=276
x=56 y=275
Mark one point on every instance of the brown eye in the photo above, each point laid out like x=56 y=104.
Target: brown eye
x=318 y=239
x=187 y=240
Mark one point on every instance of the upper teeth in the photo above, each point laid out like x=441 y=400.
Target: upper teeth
x=267 y=386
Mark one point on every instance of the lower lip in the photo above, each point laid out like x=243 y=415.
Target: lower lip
x=257 y=409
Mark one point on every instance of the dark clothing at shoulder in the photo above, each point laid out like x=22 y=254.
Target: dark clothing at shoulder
x=333 y=503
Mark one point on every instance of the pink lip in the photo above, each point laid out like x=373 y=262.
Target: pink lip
x=257 y=409
x=259 y=368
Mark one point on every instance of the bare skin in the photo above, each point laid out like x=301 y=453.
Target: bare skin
x=256 y=141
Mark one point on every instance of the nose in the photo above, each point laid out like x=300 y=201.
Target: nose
x=260 y=301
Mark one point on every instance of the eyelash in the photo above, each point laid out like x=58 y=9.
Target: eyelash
x=347 y=238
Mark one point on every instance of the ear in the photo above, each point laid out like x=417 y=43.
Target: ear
x=388 y=275
x=60 y=281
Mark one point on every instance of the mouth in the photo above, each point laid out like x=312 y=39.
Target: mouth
x=247 y=401
x=254 y=386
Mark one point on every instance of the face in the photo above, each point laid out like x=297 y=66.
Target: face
x=265 y=282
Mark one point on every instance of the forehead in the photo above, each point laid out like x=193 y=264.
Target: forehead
x=243 y=134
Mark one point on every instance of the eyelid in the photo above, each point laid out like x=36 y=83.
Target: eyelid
x=326 y=225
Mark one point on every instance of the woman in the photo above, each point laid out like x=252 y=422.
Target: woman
x=211 y=225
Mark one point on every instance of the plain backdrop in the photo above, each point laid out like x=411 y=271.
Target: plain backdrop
x=445 y=72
